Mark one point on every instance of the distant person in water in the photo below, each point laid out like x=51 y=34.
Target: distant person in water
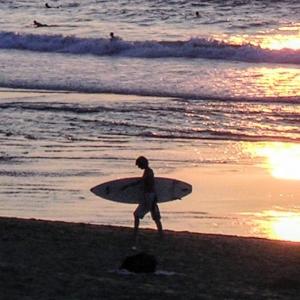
x=48 y=6
x=148 y=203
x=197 y=14
x=113 y=37
x=38 y=24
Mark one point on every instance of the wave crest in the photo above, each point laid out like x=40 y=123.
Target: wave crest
x=193 y=48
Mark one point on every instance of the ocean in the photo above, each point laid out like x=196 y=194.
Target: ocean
x=207 y=90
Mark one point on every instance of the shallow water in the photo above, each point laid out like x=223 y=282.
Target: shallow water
x=54 y=151
x=213 y=100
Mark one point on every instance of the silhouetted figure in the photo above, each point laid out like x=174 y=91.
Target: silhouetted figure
x=49 y=6
x=140 y=263
x=197 y=14
x=38 y=24
x=148 y=203
x=113 y=37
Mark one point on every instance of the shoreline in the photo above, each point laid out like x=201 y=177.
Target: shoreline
x=61 y=260
x=236 y=187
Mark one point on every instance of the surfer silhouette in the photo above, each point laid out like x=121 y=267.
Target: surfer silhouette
x=38 y=24
x=113 y=37
x=149 y=201
x=49 y=6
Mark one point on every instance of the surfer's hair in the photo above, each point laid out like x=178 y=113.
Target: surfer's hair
x=142 y=161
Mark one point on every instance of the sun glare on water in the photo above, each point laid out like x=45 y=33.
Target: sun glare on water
x=281 y=159
x=281 y=225
x=281 y=42
x=272 y=41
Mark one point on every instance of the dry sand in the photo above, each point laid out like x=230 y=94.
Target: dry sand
x=57 y=260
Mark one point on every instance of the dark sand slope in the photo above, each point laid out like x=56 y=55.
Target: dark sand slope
x=57 y=260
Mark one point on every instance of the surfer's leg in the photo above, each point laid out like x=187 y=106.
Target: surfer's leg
x=159 y=228
x=155 y=214
x=139 y=213
x=136 y=226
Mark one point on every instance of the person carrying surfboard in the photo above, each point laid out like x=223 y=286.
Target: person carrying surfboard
x=148 y=203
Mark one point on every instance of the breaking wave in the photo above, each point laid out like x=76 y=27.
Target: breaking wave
x=193 y=48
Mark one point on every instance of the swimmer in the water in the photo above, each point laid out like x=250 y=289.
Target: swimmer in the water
x=48 y=6
x=113 y=37
x=38 y=24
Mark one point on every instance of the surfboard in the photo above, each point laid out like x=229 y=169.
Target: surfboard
x=119 y=190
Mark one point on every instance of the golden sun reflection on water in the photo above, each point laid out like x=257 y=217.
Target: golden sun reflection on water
x=278 y=42
x=281 y=159
x=278 y=81
x=280 y=225
x=286 y=39
x=266 y=80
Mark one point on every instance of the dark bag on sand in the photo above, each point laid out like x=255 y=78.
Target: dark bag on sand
x=140 y=263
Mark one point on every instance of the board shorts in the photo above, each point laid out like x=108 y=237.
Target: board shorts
x=148 y=204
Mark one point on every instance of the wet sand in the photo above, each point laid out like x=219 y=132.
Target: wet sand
x=59 y=260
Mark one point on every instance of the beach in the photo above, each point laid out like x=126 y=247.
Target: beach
x=61 y=260
x=207 y=91
x=57 y=146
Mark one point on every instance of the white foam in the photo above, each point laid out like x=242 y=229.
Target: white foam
x=193 y=48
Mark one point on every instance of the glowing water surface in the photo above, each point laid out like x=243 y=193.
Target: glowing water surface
x=282 y=37
x=283 y=225
x=281 y=159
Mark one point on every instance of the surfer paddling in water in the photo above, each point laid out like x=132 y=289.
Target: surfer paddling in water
x=149 y=201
